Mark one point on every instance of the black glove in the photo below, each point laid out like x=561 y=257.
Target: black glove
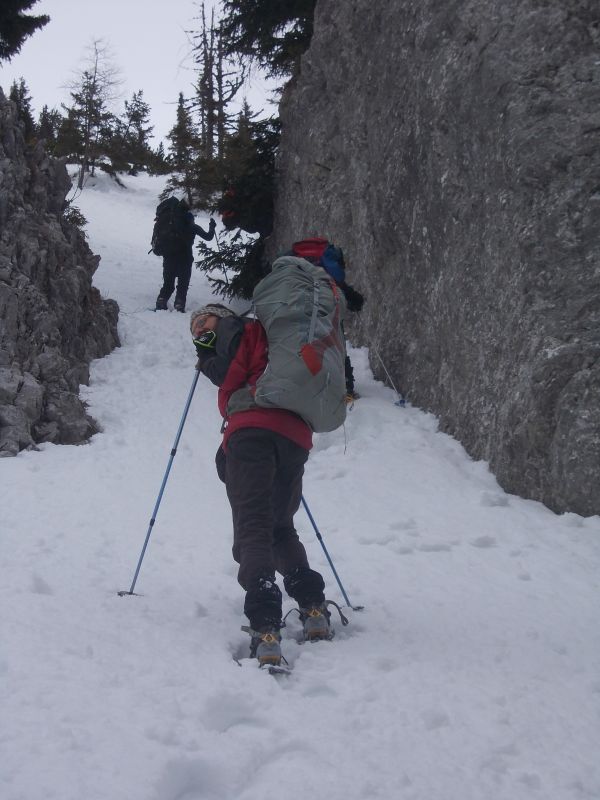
x=206 y=344
x=212 y=224
x=354 y=300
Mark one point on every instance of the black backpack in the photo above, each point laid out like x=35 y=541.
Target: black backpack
x=171 y=228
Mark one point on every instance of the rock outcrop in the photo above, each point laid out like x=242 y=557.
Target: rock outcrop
x=53 y=322
x=453 y=150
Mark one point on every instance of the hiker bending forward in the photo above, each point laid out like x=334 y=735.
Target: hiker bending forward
x=261 y=461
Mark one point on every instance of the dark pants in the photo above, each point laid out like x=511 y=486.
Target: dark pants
x=177 y=266
x=262 y=472
x=349 y=372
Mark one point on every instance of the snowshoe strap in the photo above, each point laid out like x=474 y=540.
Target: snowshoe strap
x=344 y=619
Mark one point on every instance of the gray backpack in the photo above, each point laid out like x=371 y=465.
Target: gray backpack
x=301 y=310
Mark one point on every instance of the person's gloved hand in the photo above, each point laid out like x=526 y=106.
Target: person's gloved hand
x=205 y=344
x=212 y=225
x=354 y=300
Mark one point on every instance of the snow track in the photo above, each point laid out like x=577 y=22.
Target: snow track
x=472 y=673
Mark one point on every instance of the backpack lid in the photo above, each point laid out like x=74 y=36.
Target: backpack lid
x=310 y=249
x=170 y=204
x=320 y=251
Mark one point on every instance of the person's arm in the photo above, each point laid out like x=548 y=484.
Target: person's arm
x=214 y=361
x=198 y=231
x=354 y=299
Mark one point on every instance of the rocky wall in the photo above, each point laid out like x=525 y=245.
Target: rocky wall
x=453 y=150
x=53 y=322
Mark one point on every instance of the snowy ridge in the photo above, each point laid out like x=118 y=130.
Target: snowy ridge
x=472 y=673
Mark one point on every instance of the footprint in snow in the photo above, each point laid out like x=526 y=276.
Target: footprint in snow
x=228 y=709
x=484 y=542
x=434 y=548
x=39 y=585
x=192 y=780
x=408 y=526
x=435 y=719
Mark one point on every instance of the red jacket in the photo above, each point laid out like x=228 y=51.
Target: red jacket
x=239 y=361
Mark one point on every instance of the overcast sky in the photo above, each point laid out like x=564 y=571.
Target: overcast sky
x=148 y=41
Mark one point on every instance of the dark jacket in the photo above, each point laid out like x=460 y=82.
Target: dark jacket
x=192 y=230
x=238 y=361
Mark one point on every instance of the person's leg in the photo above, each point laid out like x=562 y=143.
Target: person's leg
x=349 y=373
x=184 y=275
x=250 y=468
x=288 y=550
x=168 y=287
x=303 y=584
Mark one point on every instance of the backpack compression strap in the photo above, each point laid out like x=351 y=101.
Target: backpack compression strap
x=313 y=351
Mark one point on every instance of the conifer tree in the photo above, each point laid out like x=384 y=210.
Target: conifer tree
x=216 y=85
x=68 y=138
x=183 y=148
x=246 y=207
x=19 y=94
x=92 y=91
x=159 y=162
x=48 y=126
x=248 y=175
x=272 y=34
x=16 y=26
x=136 y=131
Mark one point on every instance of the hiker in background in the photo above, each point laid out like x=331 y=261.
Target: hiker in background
x=173 y=239
x=261 y=461
x=320 y=251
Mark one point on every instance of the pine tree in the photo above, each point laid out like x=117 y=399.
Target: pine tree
x=246 y=207
x=136 y=132
x=205 y=101
x=159 y=163
x=92 y=92
x=48 y=126
x=273 y=34
x=183 y=151
x=249 y=174
x=15 y=26
x=217 y=83
x=19 y=94
x=69 y=139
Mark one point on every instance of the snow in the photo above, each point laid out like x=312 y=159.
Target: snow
x=471 y=674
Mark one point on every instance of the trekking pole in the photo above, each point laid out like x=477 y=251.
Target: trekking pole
x=320 y=538
x=162 y=488
x=401 y=401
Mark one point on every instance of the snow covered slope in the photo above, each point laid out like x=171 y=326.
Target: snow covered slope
x=471 y=674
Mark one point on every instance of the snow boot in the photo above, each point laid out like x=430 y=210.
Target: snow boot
x=316 y=622
x=179 y=305
x=161 y=304
x=265 y=646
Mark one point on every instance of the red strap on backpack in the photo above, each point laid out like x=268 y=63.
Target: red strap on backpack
x=310 y=249
x=312 y=352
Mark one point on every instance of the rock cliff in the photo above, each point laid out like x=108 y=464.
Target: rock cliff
x=53 y=322
x=453 y=150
